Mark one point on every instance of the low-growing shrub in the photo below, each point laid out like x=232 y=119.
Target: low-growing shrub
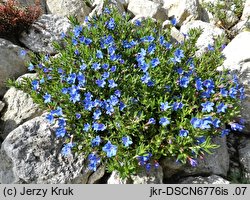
x=122 y=95
x=219 y=9
x=15 y=19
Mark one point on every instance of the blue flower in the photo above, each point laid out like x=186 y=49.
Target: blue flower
x=35 y=84
x=236 y=127
x=96 y=141
x=50 y=118
x=61 y=122
x=137 y=22
x=207 y=106
x=122 y=106
x=164 y=106
x=196 y=122
x=66 y=150
x=63 y=35
x=77 y=31
x=93 y=161
x=60 y=132
x=110 y=149
x=31 y=67
x=198 y=84
x=179 y=54
x=173 y=21
x=223 y=92
x=64 y=90
x=183 y=133
x=143 y=159
x=164 y=121
x=155 y=62
x=209 y=84
x=74 y=94
x=205 y=122
x=151 y=121
x=99 y=54
x=109 y=109
x=96 y=66
x=151 y=48
x=78 y=116
x=111 y=24
x=148 y=167
x=118 y=93
x=193 y=162
x=113 y=100
x=233 y=92
x=22 y=53
x=57 y=112
x=184 y=82
x=106 y=10
x=47 y=98
x=146 y=78
x=74 y=42
x=221 y=108
x=97 y=114
x=98 y=127
x=81 y=79
x=112 y=83
x=225 y=132
x=149 y=39
x=71 y=78
x=126 y=141
x=100 y=82
x=83 y=66
x=216 y=123
x=86 y=127
x=177 y=106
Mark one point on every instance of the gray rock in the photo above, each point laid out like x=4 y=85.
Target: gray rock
x=44 y=32
x=210 y=32
x=216 y=163
x=183 y=10
x=240 y=27
x=155 y=176
x=66 y=8
x=146 y=8
x=214 y=179
x=246 y=11
x=97 y=175
x=244 y=157
x=98 y=6
x=2 y=104
x=19 y=108
x=31 y=154
x=12 y=64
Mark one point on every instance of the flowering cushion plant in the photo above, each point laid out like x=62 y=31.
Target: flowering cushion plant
x=125 y=94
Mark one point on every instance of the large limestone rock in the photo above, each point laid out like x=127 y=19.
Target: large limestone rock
x=19 y=109
x=244 y=157
x=216 y=163
x=12 y=64
x=238 y=59
x=183 y=10
x=44 y=32
x=246 y=11
x=31 y=154
x=146 y=8
x=214 y=179
x=210 y=32
x=154 y=176
x=66 y=8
